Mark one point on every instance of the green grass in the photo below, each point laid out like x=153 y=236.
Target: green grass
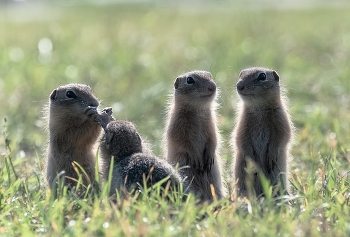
x=130 y=55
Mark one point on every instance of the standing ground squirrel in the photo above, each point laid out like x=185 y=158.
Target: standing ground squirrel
x=191 y=136
x=73 y=132
x=263 y=133
x=131 y=166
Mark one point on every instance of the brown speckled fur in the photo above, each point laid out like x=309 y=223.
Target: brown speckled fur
x=131 y=164
x=73 y=132
x=263 y=133
x=192 y=139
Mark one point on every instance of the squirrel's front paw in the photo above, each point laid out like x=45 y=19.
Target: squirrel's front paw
x=91 y=112
x=105 y=117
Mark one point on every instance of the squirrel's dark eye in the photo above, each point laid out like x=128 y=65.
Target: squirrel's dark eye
x=190 y=80
x=262 y=77
x=71 y=94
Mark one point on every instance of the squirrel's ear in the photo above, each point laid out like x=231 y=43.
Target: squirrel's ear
x=139 y=142
x=108 y=139
x=139 y=137
x=177 y=83
x=53 y=95
x=277 y=78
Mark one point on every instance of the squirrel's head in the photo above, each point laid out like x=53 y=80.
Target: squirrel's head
x=258 y=86
x=195 y=88
x=121 y=139
x=72 y=102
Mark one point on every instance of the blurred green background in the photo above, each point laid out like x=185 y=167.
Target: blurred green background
x=131 y=52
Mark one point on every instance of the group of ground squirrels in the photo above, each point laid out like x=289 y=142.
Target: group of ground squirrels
x=261 y=140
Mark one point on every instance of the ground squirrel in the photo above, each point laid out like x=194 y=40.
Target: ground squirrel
x=73 y=132
x=191 y=136
x=263 y=132
x=131 y=165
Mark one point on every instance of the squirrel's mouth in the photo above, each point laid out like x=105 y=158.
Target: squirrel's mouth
x=210 y=92
x=243 y=93
x=208 y=95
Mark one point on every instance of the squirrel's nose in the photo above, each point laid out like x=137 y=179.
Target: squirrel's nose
x=240 y=86
x=212 y=88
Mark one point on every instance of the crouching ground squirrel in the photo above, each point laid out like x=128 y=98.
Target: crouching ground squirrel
x=191 y=136
x=73 y=132
x=131 y=166
x=263 y=133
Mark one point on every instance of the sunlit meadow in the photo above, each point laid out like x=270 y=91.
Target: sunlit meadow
x=130 y=54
